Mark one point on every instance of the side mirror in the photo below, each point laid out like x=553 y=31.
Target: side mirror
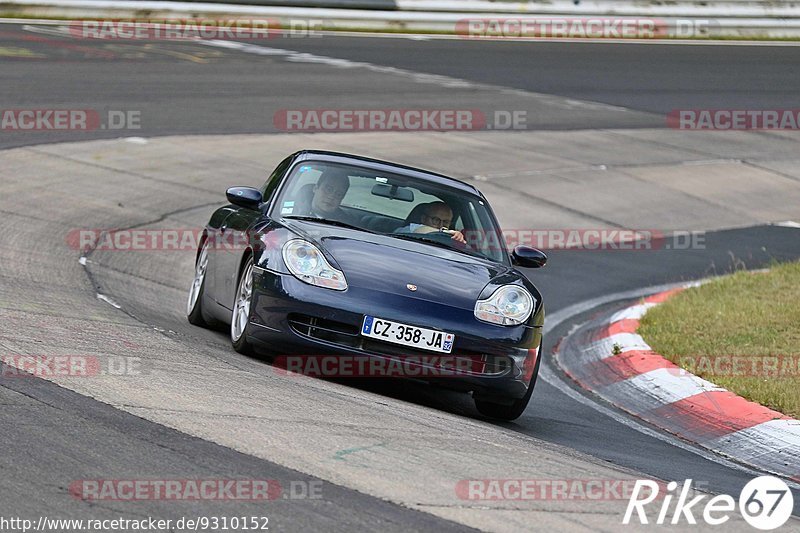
x=246 y=197
x=525 y=256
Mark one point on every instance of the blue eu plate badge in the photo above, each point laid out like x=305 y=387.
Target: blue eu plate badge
x=448 y=342
x=368 y=325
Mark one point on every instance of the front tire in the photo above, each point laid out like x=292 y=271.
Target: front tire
x=515 y=409
x=240 y=317
x=194 y=306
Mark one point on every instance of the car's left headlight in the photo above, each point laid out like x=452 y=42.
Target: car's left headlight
x=306 y=262
x=510 y=305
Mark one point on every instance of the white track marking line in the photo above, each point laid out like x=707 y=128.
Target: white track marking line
x=59 y=31
x=789 y=224
x=108 y=300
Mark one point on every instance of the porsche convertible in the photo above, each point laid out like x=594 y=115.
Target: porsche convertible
x=344 y=256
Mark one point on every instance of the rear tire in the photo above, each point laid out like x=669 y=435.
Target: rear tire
x=515 y=409
x=240 y=316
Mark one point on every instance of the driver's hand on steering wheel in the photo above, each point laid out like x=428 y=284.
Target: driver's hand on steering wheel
x=455 y=235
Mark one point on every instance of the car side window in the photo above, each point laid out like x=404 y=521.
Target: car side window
x=458 y=221
x=268 y=189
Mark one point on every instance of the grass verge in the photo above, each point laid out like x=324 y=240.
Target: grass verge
x=741 y=332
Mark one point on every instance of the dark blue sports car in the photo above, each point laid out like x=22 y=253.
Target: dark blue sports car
x=393 y=270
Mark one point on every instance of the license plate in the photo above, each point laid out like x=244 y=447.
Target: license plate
x=397 y=333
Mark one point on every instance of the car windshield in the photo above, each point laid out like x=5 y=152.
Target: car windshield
x=391 y=204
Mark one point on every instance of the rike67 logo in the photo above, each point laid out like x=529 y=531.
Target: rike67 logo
x=765 y=503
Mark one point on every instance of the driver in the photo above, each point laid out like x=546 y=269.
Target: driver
x=328 y=193
x=437 y=216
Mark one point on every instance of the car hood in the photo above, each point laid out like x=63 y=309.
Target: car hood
x=386 y=264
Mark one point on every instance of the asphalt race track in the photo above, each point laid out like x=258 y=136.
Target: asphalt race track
x=387 y=455
x=192 y=88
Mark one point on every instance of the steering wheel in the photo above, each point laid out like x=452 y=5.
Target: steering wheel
x=447 y=238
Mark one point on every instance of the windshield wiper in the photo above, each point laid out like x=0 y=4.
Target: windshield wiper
x=328 y=221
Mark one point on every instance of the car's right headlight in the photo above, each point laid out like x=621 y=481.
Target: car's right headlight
x=306 y=262
x=510 y=305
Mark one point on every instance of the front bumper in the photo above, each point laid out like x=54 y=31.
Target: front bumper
x=289 y=317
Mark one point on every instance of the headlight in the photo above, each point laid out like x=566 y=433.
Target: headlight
x=510 y=305
x=307 y=263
